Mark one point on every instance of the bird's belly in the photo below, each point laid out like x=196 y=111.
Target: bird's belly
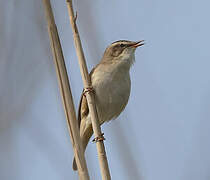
x=111 y=95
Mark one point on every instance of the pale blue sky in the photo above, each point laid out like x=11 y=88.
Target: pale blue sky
x=164 y=132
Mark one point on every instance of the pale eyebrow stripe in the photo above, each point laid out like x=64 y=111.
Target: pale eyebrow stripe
x=120 y=41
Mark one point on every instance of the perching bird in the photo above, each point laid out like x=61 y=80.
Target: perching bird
x=111 y=83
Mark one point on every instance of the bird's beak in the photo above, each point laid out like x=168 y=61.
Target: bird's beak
x=137 y=44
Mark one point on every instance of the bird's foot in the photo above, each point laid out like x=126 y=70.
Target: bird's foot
x=99 y=138
x=88 y=90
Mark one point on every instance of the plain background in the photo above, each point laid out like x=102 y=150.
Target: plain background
x=164 y=132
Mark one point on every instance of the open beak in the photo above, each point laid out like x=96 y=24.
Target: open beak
x=137 y=44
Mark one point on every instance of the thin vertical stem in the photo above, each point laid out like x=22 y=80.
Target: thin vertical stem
x=65 y=91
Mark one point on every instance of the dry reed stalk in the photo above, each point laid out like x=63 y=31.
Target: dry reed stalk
x=65 y=91
x=89 y=95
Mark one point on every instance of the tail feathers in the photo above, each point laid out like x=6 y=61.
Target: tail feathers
x=85 y=139
x=74 y=166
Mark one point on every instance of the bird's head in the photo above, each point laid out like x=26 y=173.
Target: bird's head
x=122 y=50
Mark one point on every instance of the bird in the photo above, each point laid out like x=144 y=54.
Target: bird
x=111 y=83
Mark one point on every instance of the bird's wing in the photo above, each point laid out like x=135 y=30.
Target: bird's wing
x=83 y=109
x=83 y=106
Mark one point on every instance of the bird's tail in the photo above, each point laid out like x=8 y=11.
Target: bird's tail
x=85 y=139
x=74 y=166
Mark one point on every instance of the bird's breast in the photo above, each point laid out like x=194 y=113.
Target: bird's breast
x=112 y=92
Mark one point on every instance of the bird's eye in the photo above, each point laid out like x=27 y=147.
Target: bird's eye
x=122 y=45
